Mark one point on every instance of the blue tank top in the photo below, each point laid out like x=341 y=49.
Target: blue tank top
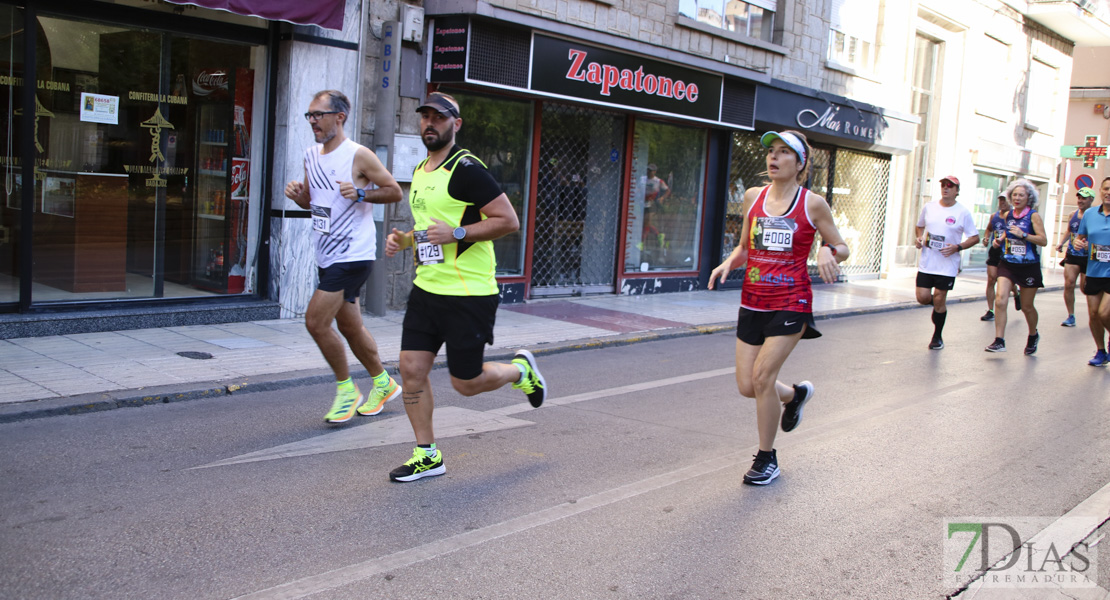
x=1017 y=250
x=1073 y=226
x=995 y=227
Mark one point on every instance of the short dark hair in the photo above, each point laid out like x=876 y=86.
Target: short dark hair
x=337 y=100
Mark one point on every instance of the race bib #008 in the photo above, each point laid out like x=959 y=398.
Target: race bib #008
x=773 y=234
x=427 y=253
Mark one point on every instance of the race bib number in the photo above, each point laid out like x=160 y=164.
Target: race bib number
x=427 y=253
x=1100 y=253
x=321 y=219
x=1016 y=248
x=774 y=234
x=936 y=242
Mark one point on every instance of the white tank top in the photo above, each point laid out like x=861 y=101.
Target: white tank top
x=343 y=230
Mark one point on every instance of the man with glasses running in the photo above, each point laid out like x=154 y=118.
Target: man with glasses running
x=944 y=229
x=342 y=179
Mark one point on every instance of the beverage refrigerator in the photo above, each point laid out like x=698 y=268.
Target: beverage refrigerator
x=222 y=176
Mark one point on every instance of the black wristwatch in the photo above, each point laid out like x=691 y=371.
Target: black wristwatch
x=361 y=195
x=459 y=233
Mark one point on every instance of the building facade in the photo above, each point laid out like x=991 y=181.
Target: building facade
x=623 y=131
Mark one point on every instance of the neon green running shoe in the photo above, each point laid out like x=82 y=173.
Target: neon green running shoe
x=378 y=397
x=532 y=383
x=343 y=408
x=419 y=466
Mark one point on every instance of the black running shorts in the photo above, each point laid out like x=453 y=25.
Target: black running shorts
x=753 y=327
x=1096 y=285
x=1077 y=260
x=464 y=323
x=347 y=277
x=1024 y=275
x=994 y=256
x=940 y=282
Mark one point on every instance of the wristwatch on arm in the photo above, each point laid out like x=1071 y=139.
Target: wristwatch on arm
x=459 y=233
x=361 y=193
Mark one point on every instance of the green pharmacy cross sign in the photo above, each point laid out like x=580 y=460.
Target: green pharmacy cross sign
x=1090 y=152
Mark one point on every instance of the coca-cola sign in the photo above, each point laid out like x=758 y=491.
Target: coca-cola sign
x=240 y=177
x=208 y=82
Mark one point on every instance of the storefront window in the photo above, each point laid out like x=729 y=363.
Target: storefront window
x=143 y=146
x=665 y=198
x=498 y=131
x=11 y=71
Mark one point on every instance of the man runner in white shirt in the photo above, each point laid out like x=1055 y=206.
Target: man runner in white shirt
x=341 y=181
x=944 y=229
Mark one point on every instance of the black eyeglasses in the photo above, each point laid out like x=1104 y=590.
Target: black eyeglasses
x=317 y=115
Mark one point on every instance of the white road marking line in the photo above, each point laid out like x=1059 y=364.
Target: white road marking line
x=346 y=575
x=617 y=391
x=450 y=421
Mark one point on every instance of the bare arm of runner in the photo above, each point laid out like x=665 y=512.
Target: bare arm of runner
x=827 y=262
x=500 y=220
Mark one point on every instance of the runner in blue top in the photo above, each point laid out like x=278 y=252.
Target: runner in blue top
x=1093 y=236
x=1021 y=262
x=995 y=228
x=1075 y=261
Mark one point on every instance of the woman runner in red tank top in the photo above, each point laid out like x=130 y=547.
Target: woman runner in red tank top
x=776 y=304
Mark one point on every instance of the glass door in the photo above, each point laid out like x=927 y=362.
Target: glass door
x=142 y=153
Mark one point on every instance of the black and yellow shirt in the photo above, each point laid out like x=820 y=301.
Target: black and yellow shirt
x=455 y=193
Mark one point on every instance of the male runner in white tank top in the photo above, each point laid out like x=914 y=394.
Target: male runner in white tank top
x=342 y=179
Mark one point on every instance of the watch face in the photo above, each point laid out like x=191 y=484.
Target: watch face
x=459 y=233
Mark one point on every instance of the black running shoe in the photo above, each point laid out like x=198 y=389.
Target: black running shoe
x=419 y=466
x=792 y=412
x=764 y=469
x=936 y=344
x=999 y=345
x=987 y=316
x=1031 y=345
x=531 y=383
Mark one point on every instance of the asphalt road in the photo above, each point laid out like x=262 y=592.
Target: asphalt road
x=626 y=485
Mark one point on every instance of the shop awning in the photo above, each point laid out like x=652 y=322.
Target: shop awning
x=325 y=13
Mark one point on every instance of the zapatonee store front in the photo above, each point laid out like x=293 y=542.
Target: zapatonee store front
x=853 y=145
x=614 y=161
x=133 y=166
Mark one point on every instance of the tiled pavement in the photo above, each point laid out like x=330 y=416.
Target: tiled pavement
x=96 y=371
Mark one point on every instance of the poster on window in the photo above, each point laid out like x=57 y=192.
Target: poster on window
x=58 y=196
x=98 y=108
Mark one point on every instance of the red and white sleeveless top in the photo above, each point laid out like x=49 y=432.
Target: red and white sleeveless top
x=778 y=247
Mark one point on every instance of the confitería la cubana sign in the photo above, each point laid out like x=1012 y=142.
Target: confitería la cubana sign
x=576 y=70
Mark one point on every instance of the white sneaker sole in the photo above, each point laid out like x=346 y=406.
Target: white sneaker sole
x=440 y=470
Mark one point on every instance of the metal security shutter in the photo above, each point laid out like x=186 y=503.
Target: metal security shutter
x=499 y=55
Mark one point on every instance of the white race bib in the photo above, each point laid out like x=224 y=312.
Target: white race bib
x=427 y=253
x=936 y=242
x=1100 y=253
x=321 y=219
x=1017 y=248
x=775 y=234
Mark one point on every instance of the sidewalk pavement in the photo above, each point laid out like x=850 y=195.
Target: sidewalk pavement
x=69 y=374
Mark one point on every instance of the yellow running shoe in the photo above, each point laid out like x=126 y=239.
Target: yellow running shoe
x=343 y=408
x=378 y=397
